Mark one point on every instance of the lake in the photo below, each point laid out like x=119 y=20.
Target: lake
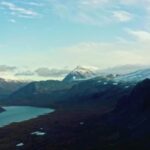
x=21 y=113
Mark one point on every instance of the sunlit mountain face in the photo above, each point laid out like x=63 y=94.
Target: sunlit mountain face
x=74 y=74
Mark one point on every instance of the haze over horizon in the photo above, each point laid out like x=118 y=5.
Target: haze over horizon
x=46 y=39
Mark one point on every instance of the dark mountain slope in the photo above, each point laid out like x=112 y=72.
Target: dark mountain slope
x=130 y=121
x=59 y=93
x=38 y=93
x=139 y=99
x=7 y=87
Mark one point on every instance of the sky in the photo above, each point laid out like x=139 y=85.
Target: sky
x=46 y=39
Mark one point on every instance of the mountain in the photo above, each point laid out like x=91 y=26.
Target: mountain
x=9 y=86
x=127 y=126
x=38 y=93
x=62 y=94
x=135 y=76
x=90 y=111
x=106 y=114
x=79 y=73
x=138 y=101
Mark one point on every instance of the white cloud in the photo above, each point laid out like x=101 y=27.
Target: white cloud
x=129 y=2
x=25 y=73
x=18 y=10
x=137 y=2
x=85 y=11
x=94 y=12
x=93 y=2
x=35 y=4
x=140 y=4
x=46 y=72
x=122 y=16
x=104 y=54
x=5 y=68
x=140 y=35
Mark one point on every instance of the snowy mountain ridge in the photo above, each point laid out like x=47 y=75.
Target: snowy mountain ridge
x=80 y=73
x=135 y=76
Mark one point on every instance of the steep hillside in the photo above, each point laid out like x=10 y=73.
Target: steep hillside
x=9 y=86
x=130 y=120
x=38 y=93
x=59 y=93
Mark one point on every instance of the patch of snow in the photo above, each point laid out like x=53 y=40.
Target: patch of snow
x=74 y=77
x=105 y=83
x=115 y=83
x=38 y=133
x=20 y=144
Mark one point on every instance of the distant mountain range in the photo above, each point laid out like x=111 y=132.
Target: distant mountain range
x=79 y=84
x=54 y=93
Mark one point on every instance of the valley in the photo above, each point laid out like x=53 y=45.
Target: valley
x=92 y=114
x=74 y=75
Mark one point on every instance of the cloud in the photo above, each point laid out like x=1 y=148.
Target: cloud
x=92 y=12
x=20 y=11
x=122 y=16
x=104 y=54
x=5 y=68
x=140 y=35
x=137 y=2
x=93 y=2
x=35 y=4
x=46 y=72
x=129 y=2
x=142 y=5
x=25 y=73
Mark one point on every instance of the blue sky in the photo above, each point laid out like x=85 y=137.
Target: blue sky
x=43 y=39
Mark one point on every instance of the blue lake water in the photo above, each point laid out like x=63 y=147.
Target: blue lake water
x=21 y=113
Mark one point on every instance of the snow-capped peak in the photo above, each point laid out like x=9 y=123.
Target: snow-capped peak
x=81 y=70
x=79 y=73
